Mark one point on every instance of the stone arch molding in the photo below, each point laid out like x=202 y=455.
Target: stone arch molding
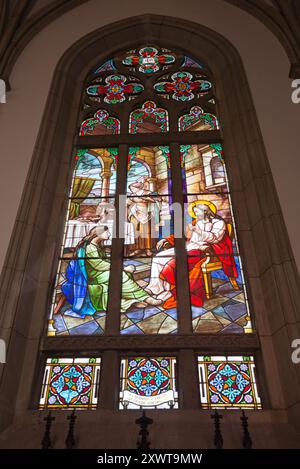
x=30 y=268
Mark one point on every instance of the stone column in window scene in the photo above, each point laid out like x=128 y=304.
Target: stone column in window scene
x=106 y=163
x=106 y=175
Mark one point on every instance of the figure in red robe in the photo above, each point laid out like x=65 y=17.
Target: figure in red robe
x=208 y=234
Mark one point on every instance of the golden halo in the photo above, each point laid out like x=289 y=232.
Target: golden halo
x=191 y=206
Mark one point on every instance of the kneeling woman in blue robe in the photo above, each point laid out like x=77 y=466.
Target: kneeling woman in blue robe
x=87 y=280
x=75 y=288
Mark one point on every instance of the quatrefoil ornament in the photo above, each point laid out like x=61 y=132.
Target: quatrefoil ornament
x=182 y=86
x=149 y=60
x=115 y=90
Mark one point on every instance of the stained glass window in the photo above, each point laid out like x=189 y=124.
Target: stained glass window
x=136 y=162
x=148 y=119
x=106 y=67
x=81 y=291
x=148 y=304
x=70 y=383
x=100 y=124
x=183 y=86
x=197 y=119
x=228 y=382
x=217 y=288
x=148 y=382
x=148 y=59
x=114 y=89
x=189 y=62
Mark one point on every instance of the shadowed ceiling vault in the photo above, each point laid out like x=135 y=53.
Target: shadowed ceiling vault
x=21 y=21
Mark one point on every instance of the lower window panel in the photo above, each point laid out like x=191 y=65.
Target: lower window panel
x=70 y=383
x=228 y=382
x=148 y=382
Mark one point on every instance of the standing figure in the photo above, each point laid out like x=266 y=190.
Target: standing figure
x=140 y=210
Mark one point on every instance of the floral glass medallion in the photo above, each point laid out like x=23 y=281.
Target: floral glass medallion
x=228 y=382
x=115 y=90
x=148 y=60
x=182 y=87
x=70 y=383
x=148 y=383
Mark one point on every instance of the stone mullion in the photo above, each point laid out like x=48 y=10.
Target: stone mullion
x=123 y=116
x=233 y=343
x=115 y=287
x=151 y=139
x=182 y=281
x=109 y=380
x=187 y=380
x=173 y=117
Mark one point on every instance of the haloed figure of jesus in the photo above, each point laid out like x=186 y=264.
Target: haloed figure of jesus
x=208 y=232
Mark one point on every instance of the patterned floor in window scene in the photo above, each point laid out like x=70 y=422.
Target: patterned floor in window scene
x=225 y=312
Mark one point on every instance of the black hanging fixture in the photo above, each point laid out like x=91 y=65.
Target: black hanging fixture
x=218 y=439
x=247 y=441
x=46 y=441
x=143 y=422
x=70 y=440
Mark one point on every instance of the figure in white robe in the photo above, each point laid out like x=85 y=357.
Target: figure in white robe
x=206 y=231
x=140 y=213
